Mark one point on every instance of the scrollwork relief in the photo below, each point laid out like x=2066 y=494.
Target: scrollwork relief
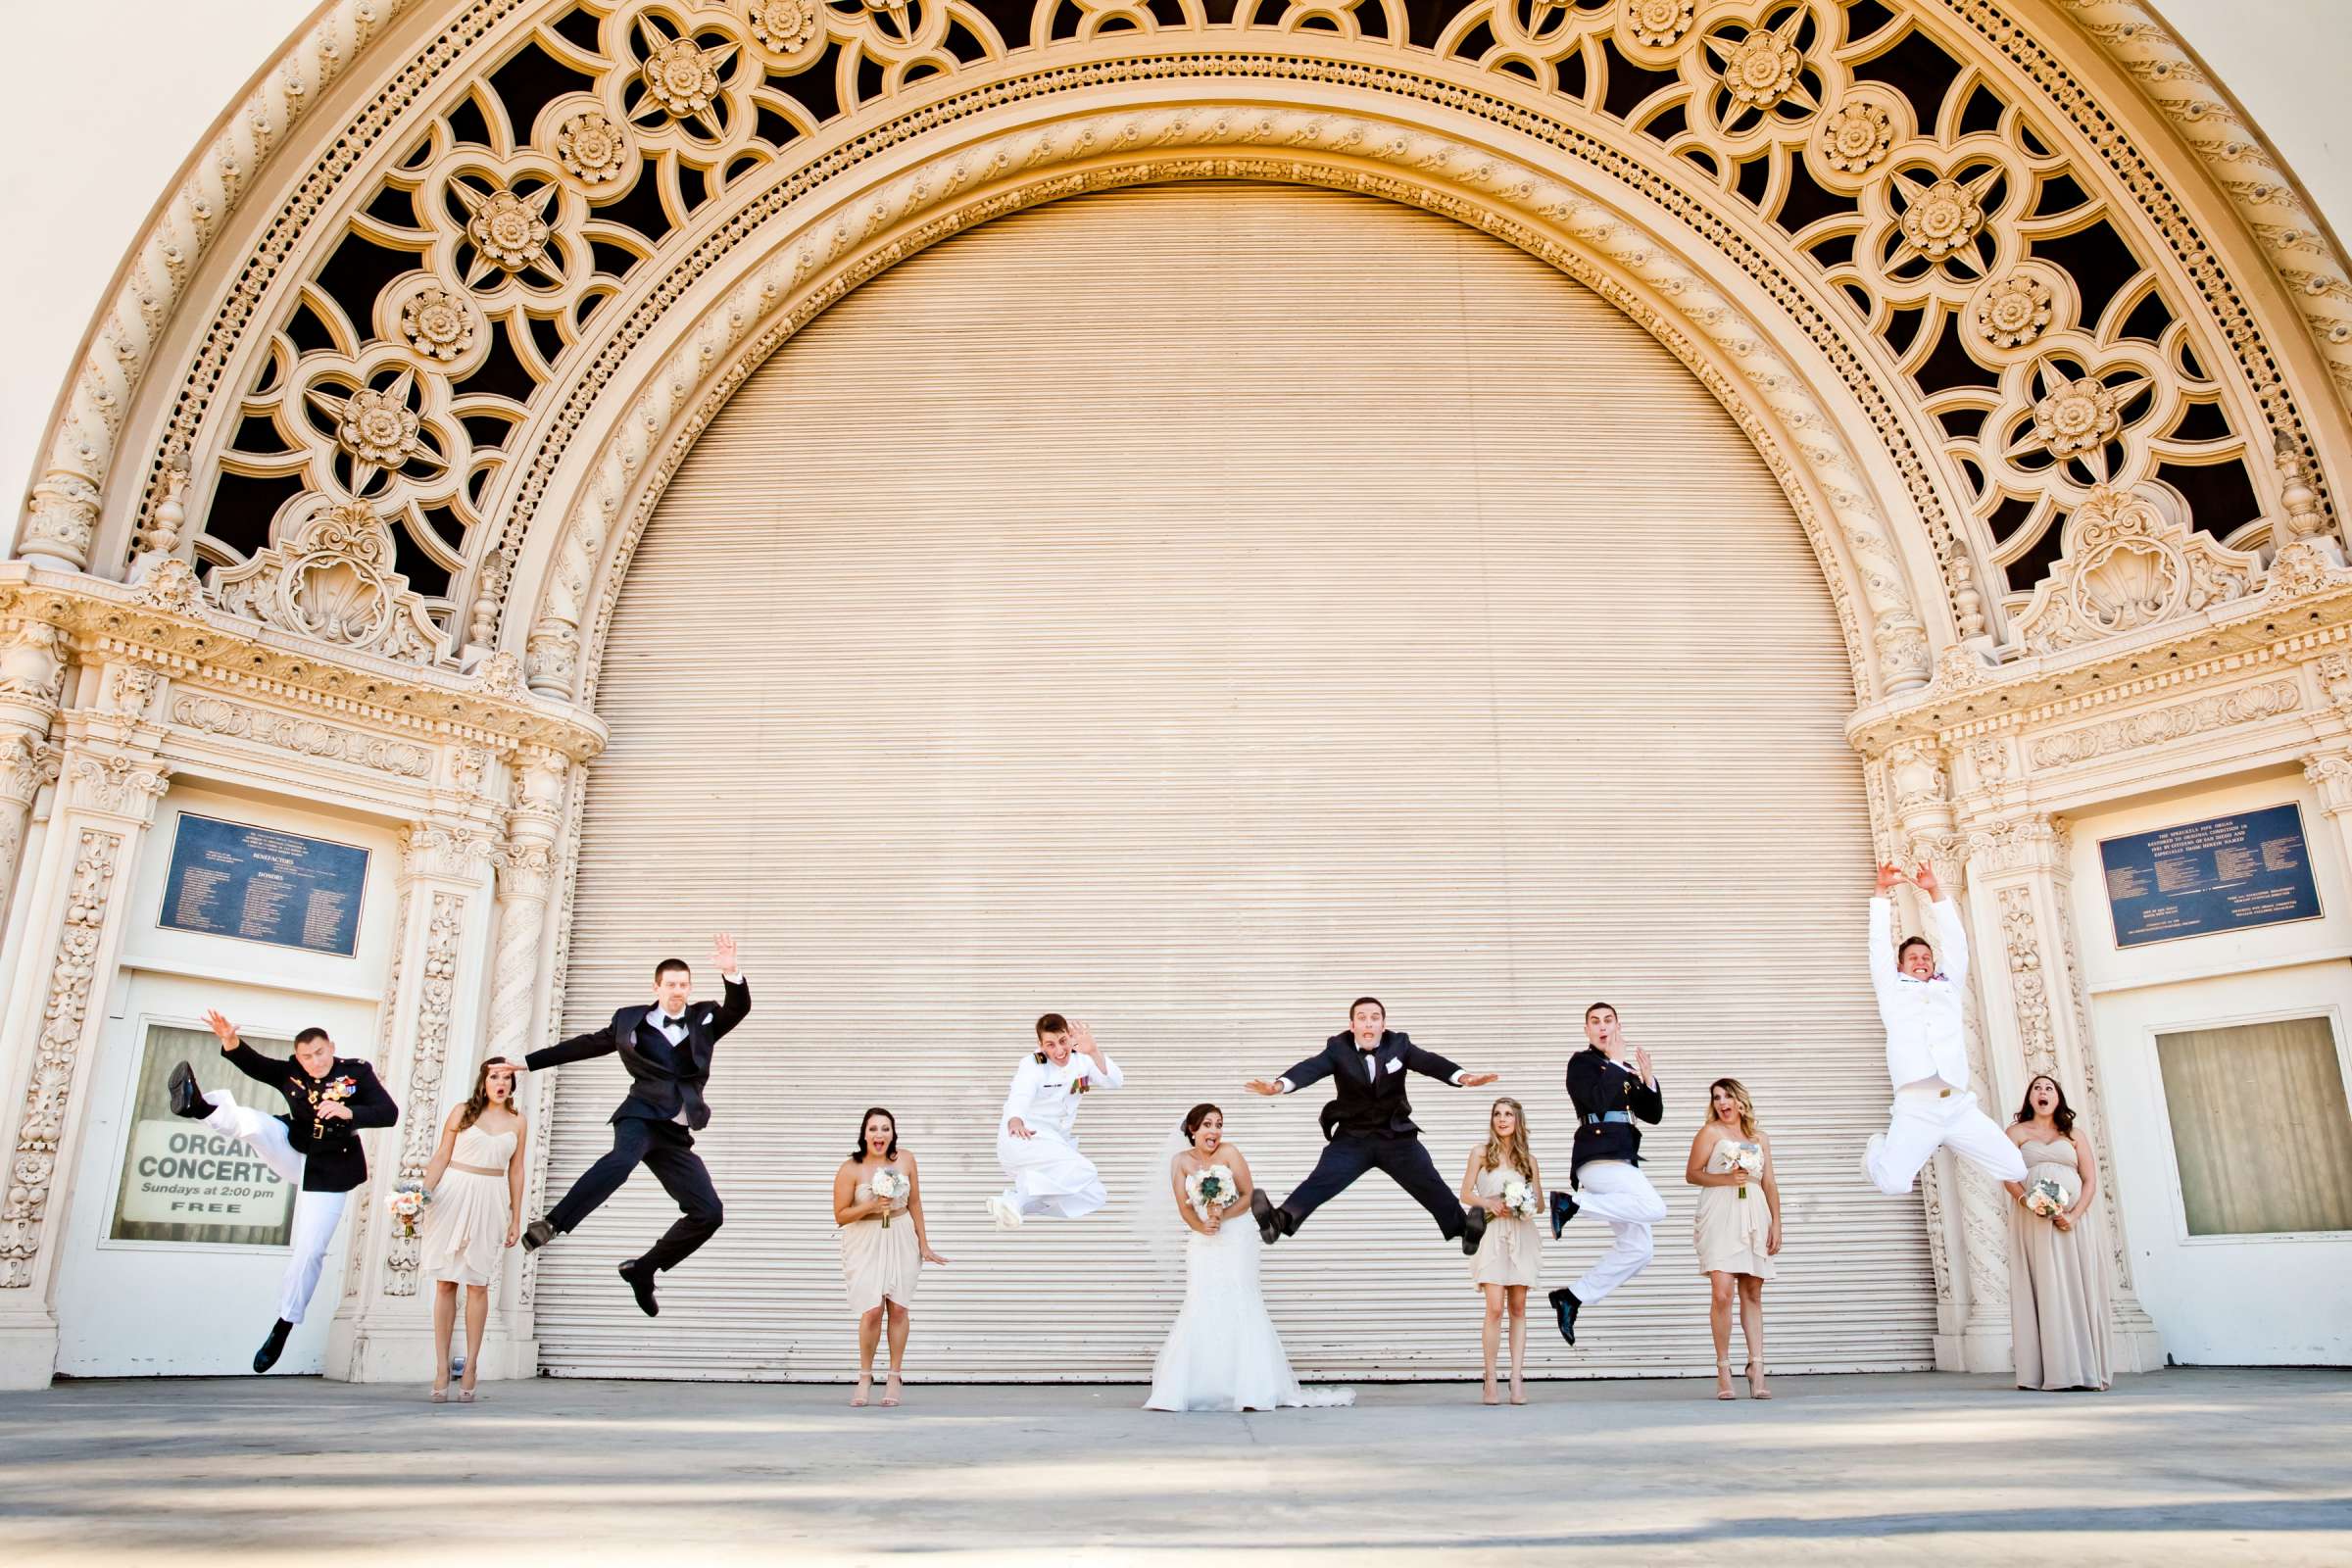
x=216 y=715
x=2158 y=726
x=2128 y=565
x=421 y=1121
x=333 y=579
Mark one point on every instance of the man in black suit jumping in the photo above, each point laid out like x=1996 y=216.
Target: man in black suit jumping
x=1370 y=1124
x=666 y=1048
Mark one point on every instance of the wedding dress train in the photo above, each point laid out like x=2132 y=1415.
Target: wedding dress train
x=1224 y=1353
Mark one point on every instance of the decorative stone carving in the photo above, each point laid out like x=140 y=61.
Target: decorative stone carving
x=596 y=151
x=680 y=76
x=2128 y=565
x=2332 y=776
x=129 y=690
x=2011 y=311
x=216 y=715
x=173 y=585
x=116 y=783
x=501 y=676
x=1856 y=136
x=56 y=1053
x=510 y=231
x=32 y=665
x=469 y=768
x=450 y=854
x=1941 y=218
x=1762 y=69
x=61 y=520
x=438 y=324
x=2157 y=726
x=2306 y=567
x=1656 y=24
x=333 y=579
x=1916 y=770
x=421 y=1121
x=2028 y=995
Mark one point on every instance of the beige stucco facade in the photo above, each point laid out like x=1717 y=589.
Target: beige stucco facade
x=2042 y=344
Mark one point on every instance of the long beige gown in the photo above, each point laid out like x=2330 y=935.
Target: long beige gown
x=1512 y=1250
x=1730 y=1231
x=464 y=1231
x=879 y=1261
x=2057 y=1284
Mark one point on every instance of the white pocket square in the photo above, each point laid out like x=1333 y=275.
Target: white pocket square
x=706 y=1020
x=1395 y=1065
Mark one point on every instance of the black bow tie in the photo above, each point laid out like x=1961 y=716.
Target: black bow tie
x=670 y=1020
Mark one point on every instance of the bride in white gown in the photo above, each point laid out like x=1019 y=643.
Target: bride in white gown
x=1224 y=1353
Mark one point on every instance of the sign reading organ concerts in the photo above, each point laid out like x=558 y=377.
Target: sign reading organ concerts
x=183 y=1174
x=2229 y=873
x=260 y=885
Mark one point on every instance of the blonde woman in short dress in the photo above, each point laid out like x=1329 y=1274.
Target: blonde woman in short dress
x=475 y=1178
x=883 y=1248
x=1510 y=1255
x=1738 y=1227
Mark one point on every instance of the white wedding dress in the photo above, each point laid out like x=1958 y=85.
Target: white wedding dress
x=1224 y=1353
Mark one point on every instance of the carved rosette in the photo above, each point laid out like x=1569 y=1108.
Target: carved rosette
x=40 y=1125
x=421 y=1121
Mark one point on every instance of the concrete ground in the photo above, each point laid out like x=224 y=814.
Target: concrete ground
x=2204 y=1466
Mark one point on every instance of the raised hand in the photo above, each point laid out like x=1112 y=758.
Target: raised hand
x=1262 y=1086
x=223 y=1028
x=1082 y=1038
x=722 y=953
x=1641 y=1065
x=1478 y=1080
x=1924 y=879
x=1890 y=876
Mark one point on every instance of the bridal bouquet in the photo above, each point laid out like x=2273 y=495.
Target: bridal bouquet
x=2045 y=1197
x=890 y=1186
x=1210 y=1189
x=407 y=1207
x=1520 y=1201
x=1748 y=1161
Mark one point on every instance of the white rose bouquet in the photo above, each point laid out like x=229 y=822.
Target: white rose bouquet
x=891 y=1187
x=1210 y=1189
x=406 y=1204
x=1520 y=1201
x=1748 y=1161
x=2046 y=1197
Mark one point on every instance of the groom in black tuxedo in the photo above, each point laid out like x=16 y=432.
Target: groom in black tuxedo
x=666 y=1048
x=1370 y=1124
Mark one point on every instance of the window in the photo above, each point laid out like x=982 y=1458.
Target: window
x=183 y=1181
x=2261 y=1131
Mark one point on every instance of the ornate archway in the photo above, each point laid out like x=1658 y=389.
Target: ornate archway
x=395 y=378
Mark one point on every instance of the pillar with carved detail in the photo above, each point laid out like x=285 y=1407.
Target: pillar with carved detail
x=32 y=673
x=109 y=781
x=383 y=1329
x=1964 y=1207
x=2040 y=1023
x=519 y=976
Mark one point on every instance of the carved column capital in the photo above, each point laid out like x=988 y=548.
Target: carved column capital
x=448 y=852
x=115 y=782
x=2331 y=773
x=2031 y=843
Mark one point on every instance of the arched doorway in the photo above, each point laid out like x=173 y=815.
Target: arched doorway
x=1189 y=607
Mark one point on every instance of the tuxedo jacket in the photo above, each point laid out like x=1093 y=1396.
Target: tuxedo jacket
x=332 y=1159
x=1369 y=1101
x=1598 y=1086
x=662 y=1082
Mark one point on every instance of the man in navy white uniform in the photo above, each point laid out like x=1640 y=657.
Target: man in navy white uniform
x=1926 y=1050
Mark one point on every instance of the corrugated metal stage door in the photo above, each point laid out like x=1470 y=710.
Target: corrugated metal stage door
x=1188 y=609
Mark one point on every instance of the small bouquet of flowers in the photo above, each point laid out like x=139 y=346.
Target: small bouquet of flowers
x=1748 y=1161
x=1210 y=1189
x=891 y=1187
x=407 y=1206
x=2045 y=1197
x=1520 y=1201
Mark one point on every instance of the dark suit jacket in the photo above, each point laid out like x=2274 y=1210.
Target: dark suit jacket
x=332 y=1159
x=661 y=1081
x=1596 y=1085
x=1369 y=1107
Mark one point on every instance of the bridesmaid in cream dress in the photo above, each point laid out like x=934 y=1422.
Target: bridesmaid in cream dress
x=475 y=1178
x=1509 y=1256
x=883 y=1248
x=1738 y=1227
x=2057 y=1271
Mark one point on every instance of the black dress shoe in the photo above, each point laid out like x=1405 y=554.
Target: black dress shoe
x=1474 y=1230
x=1268 y=1217
x=272 y=1348
x=1563 y=1301
x=1563 y=1209
x=186 y=1099
x=641 y=1281
x=537 y=1234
